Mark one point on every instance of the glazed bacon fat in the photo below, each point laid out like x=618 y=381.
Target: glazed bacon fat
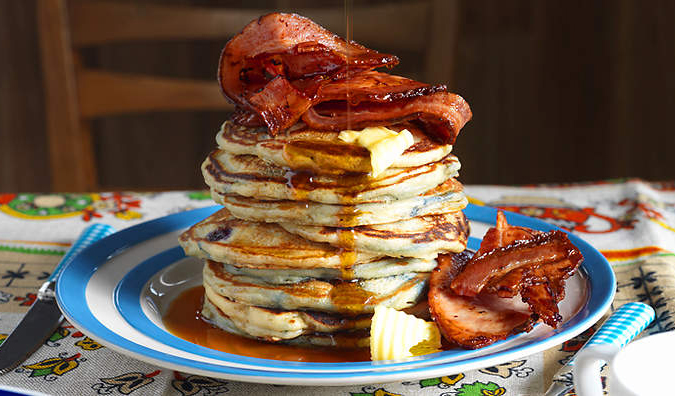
x=283 y=68
x=472 y=298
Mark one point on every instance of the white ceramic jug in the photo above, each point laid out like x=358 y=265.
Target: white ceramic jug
x=644 y=367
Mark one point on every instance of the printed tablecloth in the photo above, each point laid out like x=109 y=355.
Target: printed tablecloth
x=631 y=221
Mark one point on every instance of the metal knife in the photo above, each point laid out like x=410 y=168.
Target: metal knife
x=620 y=328
x=44 y=315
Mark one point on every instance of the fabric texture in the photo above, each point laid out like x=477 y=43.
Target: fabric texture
x=631 y=222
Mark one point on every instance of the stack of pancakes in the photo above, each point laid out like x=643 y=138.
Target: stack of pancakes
x=308 y=242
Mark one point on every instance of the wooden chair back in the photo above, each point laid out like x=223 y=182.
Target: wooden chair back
x=75 y=94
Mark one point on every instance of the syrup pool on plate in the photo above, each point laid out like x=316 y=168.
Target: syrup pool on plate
x=183 y=319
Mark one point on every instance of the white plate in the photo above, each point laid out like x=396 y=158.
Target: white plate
x=117 y=290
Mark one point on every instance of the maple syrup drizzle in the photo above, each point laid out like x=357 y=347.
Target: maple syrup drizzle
x=300 y=183
x=348 y=294
x=330 y=157
x=349 y=5
x=184 y=320
x=350 y=297
x=347 y=241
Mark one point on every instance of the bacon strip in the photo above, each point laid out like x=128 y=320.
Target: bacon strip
x=375 y=86
x=443 y=114
x=511 y=261
x=282 y=67
x=287 y=54
x=516 y=260
x=542 y=249
x=472 y=322
x=369 y=98
x=279 y=104
x=503 y=234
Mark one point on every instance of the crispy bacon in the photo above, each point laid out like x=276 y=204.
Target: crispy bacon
x=279 y=104
x=442 y=114
x=375 y=86
x=503 y=234
x=246 y=118
x=366 y=99
x=373 y=98
x=511 y=261
x=472 y=322
x=280 y=56
x=522 y=256
x=282 y=67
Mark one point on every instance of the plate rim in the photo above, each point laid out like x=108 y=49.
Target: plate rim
x=89 y=260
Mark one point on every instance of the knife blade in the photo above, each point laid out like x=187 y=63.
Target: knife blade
x=44 y=315
x=620 y=328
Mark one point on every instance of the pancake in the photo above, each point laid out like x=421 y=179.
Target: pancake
x=317 y=231
x=340 y=339
x=224 y=238
x=251 y=176
x=423 y=236
x=346 y=339
x=275 y=325
x=446 y=197
x=377 y=269
x=322 y=151
x=347 y=297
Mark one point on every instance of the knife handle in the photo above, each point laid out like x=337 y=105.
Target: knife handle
x=90 y=235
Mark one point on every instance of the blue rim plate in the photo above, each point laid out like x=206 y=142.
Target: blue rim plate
x=100 y=292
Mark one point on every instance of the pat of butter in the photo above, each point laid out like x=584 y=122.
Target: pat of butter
x=384 y=144
x=397 y=335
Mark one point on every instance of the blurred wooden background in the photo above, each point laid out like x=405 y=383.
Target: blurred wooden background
x=561 y=92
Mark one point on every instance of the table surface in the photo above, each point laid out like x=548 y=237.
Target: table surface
x=632 y=222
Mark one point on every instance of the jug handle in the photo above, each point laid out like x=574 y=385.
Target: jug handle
x=620 y=328
x=587 y=367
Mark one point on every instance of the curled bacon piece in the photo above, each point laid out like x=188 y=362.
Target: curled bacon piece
x=282 y=67
x=373 y=98
x=511 y=261
x=503 y=234
x=442 y=114
x=276 y=64
x=472 y=322
x=246 y=118
x=375 y=86
x=516 y=258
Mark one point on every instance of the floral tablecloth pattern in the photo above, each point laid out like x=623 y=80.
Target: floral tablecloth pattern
x=632 y=222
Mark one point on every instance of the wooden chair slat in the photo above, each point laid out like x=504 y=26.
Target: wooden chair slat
x=72 y=165
x=103 y=22
x=103 y=93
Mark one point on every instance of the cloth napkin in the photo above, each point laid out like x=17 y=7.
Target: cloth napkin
x=632 y=222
